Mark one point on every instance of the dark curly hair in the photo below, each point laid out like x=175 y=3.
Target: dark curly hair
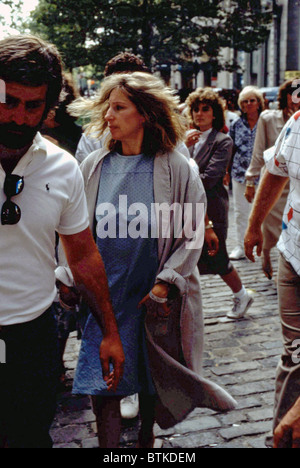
x=211 y=98
x=125 y=62
x=31 y=61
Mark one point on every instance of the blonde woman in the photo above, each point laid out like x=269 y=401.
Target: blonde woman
x=243 y=133
x=153 y=277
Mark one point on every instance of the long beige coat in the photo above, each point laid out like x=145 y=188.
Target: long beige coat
x=180 y=387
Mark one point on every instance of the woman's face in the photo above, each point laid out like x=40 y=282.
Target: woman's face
x=250 y=104
x=124 y=121
x=203 y=117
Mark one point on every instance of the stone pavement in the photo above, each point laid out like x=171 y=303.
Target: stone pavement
x=241 y=356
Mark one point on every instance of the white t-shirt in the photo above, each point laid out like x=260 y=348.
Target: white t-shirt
x=86 y=146
x=52 y=200
x=283 y=159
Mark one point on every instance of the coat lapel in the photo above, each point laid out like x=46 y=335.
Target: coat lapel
x=162 y=191
x=203 y=155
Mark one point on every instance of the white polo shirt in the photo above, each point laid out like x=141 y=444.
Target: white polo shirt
x=52 y=200
x=284 y=160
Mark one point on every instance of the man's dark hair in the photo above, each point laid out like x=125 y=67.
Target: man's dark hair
x=31 y=61
x=125 y=63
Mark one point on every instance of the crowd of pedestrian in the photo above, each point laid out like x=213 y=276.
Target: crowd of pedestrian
x=107 y=230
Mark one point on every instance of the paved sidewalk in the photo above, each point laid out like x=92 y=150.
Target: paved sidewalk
x=240 y=356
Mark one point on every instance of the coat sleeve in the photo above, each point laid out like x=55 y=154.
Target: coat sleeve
x=183 y=251
x=216 y=168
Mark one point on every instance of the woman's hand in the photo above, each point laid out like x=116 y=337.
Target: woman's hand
x=249 y=194
x=212 y=242
x=192 y=137
x=160 y=290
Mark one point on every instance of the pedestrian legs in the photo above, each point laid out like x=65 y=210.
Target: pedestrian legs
x=29 y=381
x=288 y=371
x=241 y=211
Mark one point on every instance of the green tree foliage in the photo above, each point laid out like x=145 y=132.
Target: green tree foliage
x=161 y=31
x=15 y=19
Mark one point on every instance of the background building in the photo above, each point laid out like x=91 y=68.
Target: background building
x=275 y=61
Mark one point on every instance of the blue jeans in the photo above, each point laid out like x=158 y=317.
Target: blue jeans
x=28 y=382
x=288 y=370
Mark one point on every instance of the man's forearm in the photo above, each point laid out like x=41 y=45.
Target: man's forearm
x=269 y=191
x=90 y=279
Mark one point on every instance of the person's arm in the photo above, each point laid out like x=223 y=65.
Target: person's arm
x=186 y=249
x=257 y=159
x=218 y=163
x=269 y=191
x=210 y=238
x=161 y=290
x=90 y=278
x=192 y=137
x=287 y=433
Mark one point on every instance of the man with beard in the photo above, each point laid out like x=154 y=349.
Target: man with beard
x=41 y=191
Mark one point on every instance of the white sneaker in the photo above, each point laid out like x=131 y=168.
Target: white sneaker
x=240 y=307
x=237 y=254
x=129 y=406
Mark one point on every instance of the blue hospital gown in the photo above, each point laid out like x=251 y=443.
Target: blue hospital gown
x=131 y=265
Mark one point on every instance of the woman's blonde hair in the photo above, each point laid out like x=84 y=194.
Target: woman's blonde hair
x=211 y=98
x=163 y=127
x=252 y=90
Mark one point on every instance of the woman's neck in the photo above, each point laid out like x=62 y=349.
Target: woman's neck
x=204 y=129
x=252 y=119
x=131 y=149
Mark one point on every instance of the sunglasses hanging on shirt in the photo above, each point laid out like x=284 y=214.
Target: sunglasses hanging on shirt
x=11 y=212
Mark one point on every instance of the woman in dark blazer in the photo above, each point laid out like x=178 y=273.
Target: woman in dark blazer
x=212 y=150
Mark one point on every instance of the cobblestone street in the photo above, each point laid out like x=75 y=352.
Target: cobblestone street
x=241 y=356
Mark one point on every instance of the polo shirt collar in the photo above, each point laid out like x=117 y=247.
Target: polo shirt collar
x=38 y=145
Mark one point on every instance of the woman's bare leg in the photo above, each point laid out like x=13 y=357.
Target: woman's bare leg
x=233 y=280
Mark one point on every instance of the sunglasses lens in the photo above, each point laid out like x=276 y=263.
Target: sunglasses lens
x=11 y=213
x=13 y=185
